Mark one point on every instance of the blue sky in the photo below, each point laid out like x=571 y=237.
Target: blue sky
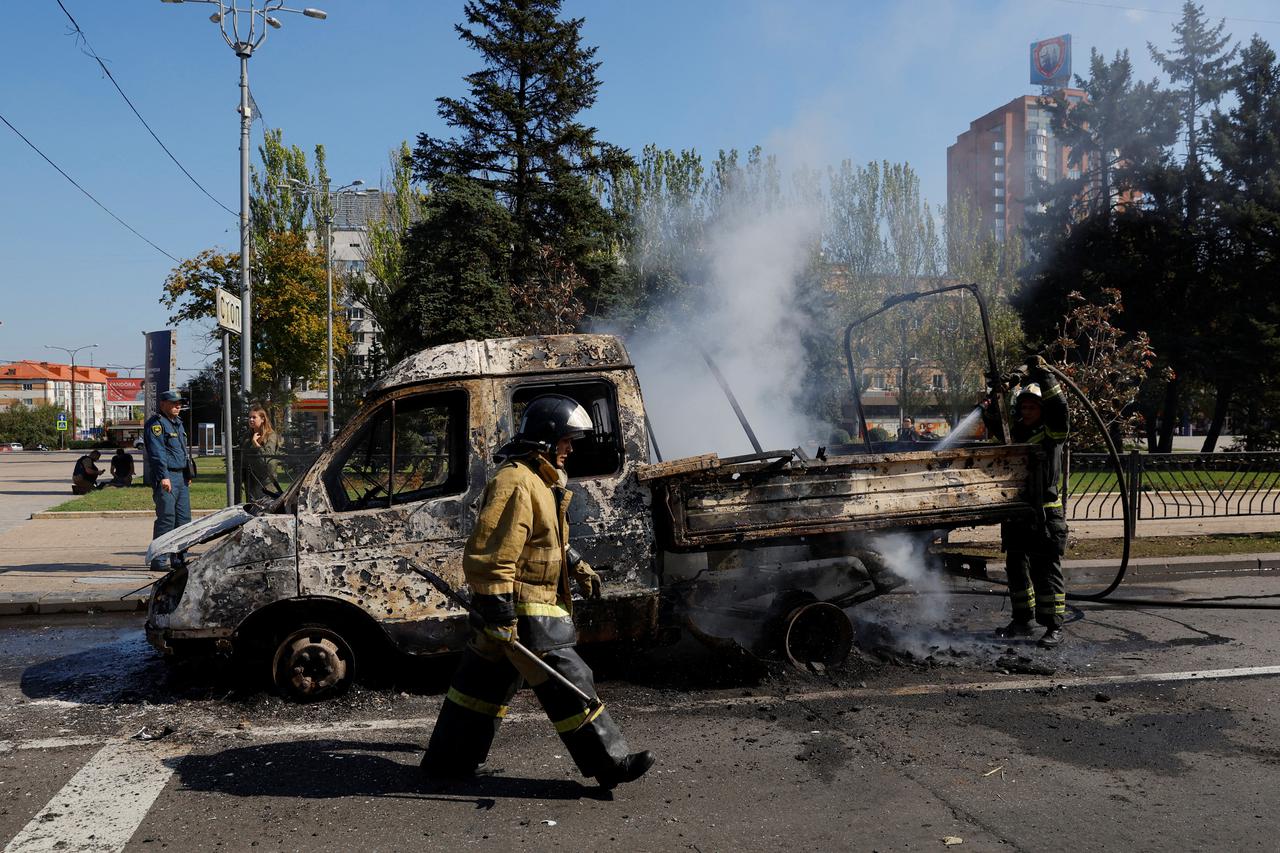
x=858 y=79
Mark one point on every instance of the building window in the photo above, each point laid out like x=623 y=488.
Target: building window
x=999 y=229
x=937 y=381
x=998 y=192
x=998 y=177
x=355 y=267
x=355 y=312
x=999 y=208
x=997 y=146
x=1073 y=174
x=28 y=386
x=997 y=161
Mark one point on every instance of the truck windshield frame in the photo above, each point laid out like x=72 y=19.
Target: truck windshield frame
x=412 y=448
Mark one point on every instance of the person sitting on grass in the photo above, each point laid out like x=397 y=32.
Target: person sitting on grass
x=122 y=469
x=84 y=477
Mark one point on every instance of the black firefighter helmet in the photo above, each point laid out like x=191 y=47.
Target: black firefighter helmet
x=546 y=420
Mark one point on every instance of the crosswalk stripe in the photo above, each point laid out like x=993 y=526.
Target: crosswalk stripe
x=103 y=804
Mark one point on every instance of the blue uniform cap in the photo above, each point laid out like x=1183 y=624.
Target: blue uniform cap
x=170 y=397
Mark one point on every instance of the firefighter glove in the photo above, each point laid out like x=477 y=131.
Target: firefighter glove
x=497 y=616
x=1037 y=362
x=588 y=580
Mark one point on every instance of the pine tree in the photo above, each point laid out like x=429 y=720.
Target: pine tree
x=1246 y=194
x=519 y=140
x=1202 y=65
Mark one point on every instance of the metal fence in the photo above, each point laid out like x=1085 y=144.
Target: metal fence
x=1175 y=485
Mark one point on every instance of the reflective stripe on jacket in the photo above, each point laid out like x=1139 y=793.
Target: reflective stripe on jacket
x=518 y=544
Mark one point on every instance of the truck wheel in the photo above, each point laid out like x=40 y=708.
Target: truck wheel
x=313 y=662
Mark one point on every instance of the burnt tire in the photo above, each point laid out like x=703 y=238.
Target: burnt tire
x=312 y=663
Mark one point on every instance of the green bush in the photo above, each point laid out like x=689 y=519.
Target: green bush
x=878 y=434
x=29 y=426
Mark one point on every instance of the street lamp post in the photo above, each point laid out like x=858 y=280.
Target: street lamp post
x=259 y=17
x=71 y=351
x=327 y=213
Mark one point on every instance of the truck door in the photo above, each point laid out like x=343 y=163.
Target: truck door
x=400 y=486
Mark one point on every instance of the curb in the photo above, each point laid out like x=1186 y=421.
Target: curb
x=111 y=513
x=1143 y=568
x=42 y=603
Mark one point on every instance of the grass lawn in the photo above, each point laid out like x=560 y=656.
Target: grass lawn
x=1105 y=481
x=209 y=491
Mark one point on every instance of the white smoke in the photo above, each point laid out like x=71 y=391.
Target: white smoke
x=746 y=323
x=907 y=555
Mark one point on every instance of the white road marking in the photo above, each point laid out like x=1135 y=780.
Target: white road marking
x=103 y=804
x=49 y=743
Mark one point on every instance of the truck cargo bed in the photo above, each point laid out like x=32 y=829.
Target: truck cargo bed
x=707 y=501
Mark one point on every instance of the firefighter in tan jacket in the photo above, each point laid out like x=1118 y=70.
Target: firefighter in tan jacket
x=517 y=563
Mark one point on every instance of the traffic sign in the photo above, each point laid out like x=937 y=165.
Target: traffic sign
x=228 y=307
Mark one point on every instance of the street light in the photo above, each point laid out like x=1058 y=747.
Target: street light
x=254 y=33
x=71 y=351
x=314 y=190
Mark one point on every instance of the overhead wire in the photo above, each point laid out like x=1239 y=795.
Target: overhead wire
x=105 y=70
x=88 y=194
x=1121 y=8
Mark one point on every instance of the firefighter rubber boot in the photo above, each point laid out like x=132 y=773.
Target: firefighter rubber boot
x=628 y=769
x=1016 y=628
x=1053 y=637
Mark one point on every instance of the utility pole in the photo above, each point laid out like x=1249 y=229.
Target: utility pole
x=327 y=215
x=71 y=351
x=256 y=18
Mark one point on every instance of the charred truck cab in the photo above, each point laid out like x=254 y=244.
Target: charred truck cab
x=312 y=583
x=764 y=551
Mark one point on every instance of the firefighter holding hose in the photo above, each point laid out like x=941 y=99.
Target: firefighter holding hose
x=1034 y=548
x=517 y=562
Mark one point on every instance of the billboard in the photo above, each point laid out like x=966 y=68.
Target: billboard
x=161 y=364
x=125 y=392
x=161 y=370
x=1051 y=61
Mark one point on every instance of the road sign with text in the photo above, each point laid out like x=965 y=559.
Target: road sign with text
x=228 y=311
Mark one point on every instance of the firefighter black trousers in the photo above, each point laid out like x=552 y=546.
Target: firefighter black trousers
x=1033 y=564
x=482 y=688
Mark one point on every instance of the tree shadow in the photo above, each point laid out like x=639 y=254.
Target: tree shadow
x=329 y=769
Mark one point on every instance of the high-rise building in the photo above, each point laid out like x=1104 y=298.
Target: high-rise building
x=993 y=164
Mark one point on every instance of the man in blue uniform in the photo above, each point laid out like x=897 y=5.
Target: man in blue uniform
x=165 y=443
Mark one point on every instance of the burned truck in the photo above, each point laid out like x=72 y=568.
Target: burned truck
x=312 y=586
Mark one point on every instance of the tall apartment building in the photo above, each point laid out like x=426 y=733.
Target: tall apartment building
x=351 y=217
x=994 y=162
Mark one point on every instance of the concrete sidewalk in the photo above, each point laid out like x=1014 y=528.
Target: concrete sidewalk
x=79 y=565
x=75 y=565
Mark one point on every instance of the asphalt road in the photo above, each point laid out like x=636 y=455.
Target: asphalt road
x=1151 y=730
